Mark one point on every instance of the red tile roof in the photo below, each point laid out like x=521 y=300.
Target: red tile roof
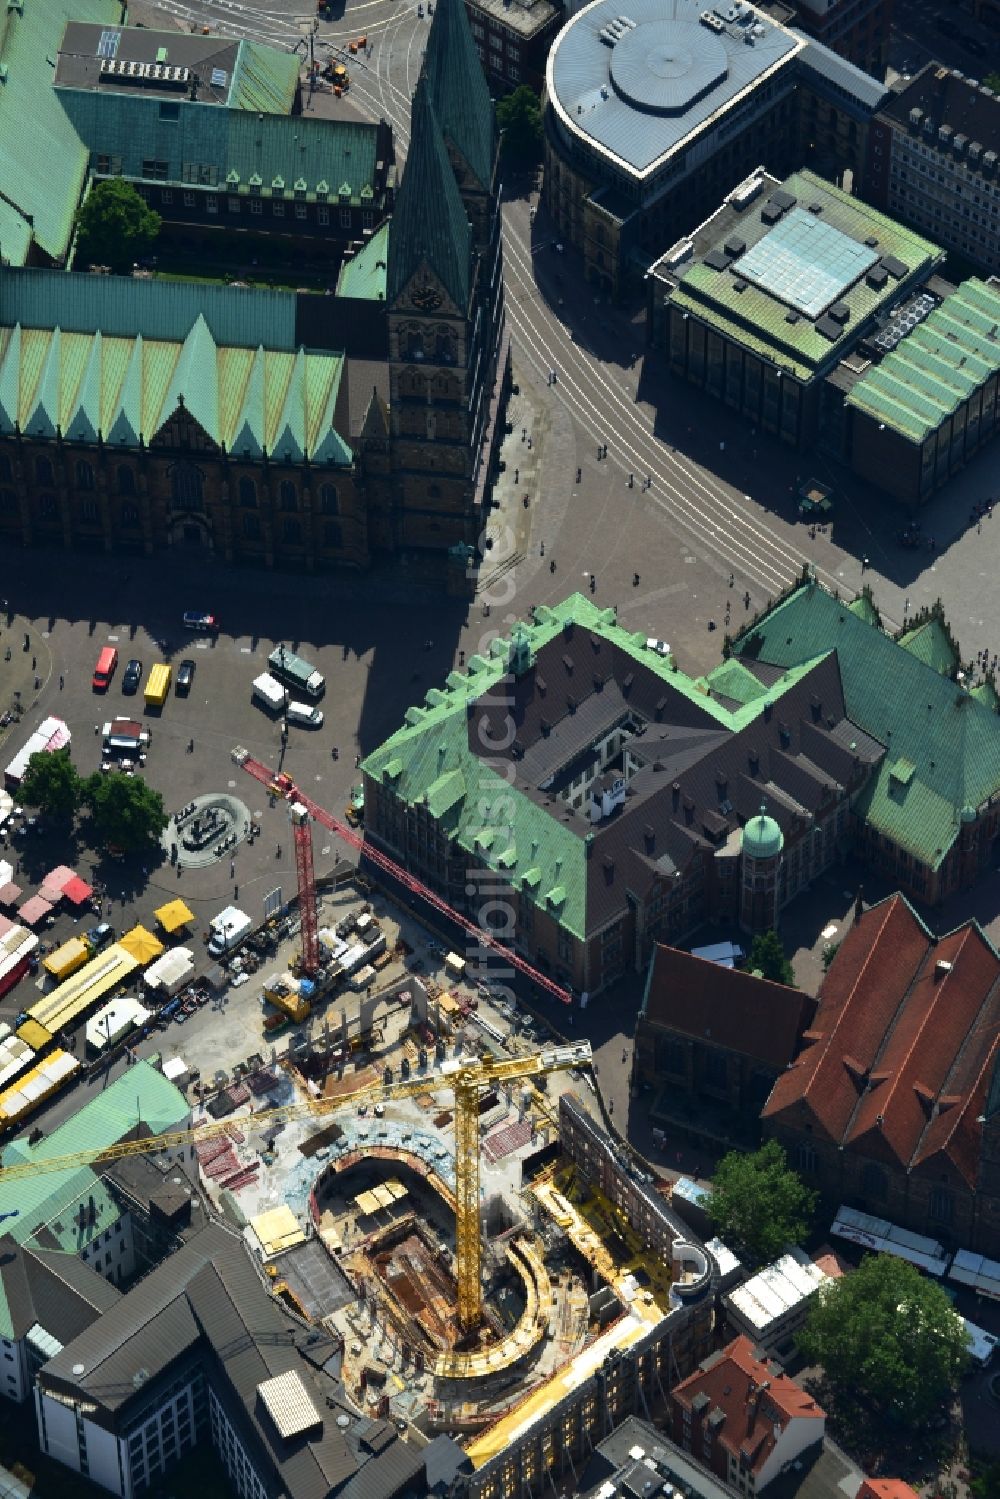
x=753 y=1401
x=726 y=1006
x=885 y=1488
x=903 y=1044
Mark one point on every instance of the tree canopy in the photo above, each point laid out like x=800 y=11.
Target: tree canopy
x=115 y=225
x=127 y=814
x=890 y=1335
x=758 y=1203
x=520 y=119
x=767 y=956
x=52 y=784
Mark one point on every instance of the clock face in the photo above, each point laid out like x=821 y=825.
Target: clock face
x=426 y=296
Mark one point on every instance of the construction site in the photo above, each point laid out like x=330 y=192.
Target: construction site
x=439 y=1193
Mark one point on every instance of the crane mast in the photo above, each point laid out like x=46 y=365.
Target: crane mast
x=280 y=784
x=464 y=1078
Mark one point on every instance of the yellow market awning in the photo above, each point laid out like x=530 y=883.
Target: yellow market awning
x=174 y=915
x=142 y=945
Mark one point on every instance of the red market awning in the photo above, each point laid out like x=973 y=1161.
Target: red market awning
x=34 y=910
x=77 y=891
x=58 y=878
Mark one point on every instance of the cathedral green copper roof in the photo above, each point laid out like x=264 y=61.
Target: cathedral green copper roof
x=458 y=89
x=86 y=385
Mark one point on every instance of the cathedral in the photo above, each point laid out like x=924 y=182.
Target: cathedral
x=282 y=429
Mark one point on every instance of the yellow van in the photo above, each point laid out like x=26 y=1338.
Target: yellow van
x=157 y=685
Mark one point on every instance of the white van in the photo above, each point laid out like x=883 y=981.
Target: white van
x=304 y=714
x=982 y=1344
x=269 y=694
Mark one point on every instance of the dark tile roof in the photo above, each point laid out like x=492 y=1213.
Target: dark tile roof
x=948 y=99
x=52 y=1288
x=207 y=1298
x=904 y=1045
x=725 y=1007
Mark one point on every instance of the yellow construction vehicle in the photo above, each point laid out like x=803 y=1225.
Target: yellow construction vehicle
x=465 y=1078
x=284 y=992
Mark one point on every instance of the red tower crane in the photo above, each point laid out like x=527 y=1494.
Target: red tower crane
x=302 y=834
x=280 y=784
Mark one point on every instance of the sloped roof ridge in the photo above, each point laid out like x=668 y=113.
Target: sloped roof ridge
x=458 y=88
x=900 y=1076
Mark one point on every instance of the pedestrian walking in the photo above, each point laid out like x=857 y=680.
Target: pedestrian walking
x=62 y=682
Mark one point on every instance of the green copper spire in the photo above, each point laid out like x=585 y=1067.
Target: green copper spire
x=458 y=88
x=429 y=225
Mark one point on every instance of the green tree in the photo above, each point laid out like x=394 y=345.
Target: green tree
x=52 y=784
x=115 y=225
x=520 y=119
x=890 y=1335
x=758 y=1203
x=767 y=956
x=986 y=1475
x=126 y=812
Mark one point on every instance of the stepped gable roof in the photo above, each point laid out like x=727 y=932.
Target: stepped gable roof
x=943 y=744
x=727 y=1007
x=459 y=91
x=904 y=1046
x=429 y=225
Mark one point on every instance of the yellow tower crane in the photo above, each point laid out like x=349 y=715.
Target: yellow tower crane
x=466 y=1078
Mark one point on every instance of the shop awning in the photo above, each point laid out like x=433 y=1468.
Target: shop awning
x=34 y=910
x=142 y=945
x=10 y=894
x=174 y=915
x=77 y=891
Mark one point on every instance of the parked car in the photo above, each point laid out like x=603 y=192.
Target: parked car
x=99 y=936
x=132 y=676
x=185 y=676
x=206 y=623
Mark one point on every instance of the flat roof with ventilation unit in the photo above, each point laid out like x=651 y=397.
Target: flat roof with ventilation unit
x=806 y=262
x=717 y=260
x=897 y=270
x=289 y=1404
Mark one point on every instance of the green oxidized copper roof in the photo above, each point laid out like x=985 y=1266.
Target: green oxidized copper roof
x=123 y=306
x=937 y=366
x=248 y=401
x=264 y=79
x=949 y=738
x=429 y=226
x=458 y=89
x=238 y=145
x=365 y=275
x=44 y=162
x=762 y=837
x=429 y=757
x=931 y=643
x=45 y=1202
x=732 y=679
x=986 y=693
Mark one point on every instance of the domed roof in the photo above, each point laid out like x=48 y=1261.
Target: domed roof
x=762 y=837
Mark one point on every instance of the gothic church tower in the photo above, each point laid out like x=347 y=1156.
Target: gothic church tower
x=448 y=356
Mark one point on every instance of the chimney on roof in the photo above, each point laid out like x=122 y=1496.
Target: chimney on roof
x=942 y=968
